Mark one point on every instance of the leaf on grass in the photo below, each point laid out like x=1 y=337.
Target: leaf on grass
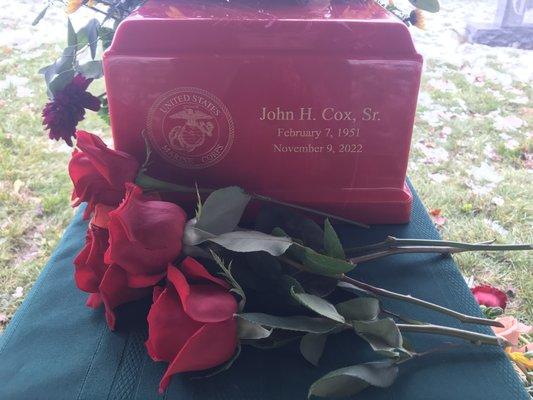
x=332 y=244
x=222 y=210
x=318 y=305
x=361 y=308
x=351 y=380
x=295 y=323
x=312 y=346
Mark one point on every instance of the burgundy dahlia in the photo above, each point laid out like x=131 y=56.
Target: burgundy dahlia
x=62 y=114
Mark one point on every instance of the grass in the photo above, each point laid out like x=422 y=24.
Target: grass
x=35 y=188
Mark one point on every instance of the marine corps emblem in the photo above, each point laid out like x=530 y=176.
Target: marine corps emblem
x=190 y=128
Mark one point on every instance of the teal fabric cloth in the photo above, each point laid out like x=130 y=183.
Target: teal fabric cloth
x=57 y=348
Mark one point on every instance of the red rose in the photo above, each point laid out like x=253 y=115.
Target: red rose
x=99 y=173
x=191 y=324
x=144 y=236
x=115 y=290
x=90 y=266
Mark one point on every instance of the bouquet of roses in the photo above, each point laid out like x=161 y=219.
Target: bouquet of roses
x=217 y=286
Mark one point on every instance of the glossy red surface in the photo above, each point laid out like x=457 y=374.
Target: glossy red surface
x=224 y=92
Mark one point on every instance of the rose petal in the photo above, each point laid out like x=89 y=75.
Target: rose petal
x=115 y=291
x=203 y=302
x=192 y=269
x=89 y=263
x=169 y=327
x=144 y=280
x=145 y=235
x=509 y=331
x=209 y=347
x=115 y=166
x=94 y=300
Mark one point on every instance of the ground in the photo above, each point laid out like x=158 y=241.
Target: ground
x=471 y=154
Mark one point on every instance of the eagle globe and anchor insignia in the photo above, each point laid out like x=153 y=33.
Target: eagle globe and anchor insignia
x=190 y=128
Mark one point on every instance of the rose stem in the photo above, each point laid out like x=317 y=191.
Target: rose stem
x=147 y=182
x=392 y=242
x=477 y=338
x=433 y=249
x=410 y=299
x=307 y=209
x=402 y=297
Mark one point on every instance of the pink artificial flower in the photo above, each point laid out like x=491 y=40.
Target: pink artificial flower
x=67 y=108
x=511 y=330
x=490 y=296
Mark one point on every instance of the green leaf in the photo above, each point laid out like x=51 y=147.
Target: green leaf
x=324 y=265
x=264 y=265
x=248 y=241
x=431 y=6
x=382 y=335
x=72 y=39
x=91 y=69
x=361 y=308
x=88 y=35
x=296 y=225
x=106 y=35
x=312 y=346
x=295 y=323
x=318 y=305
x=250 y=331
x=40 y=16
x=226 y=272
x=59 y=81
x=222 y=210
x=351 y=380
x=332 y=244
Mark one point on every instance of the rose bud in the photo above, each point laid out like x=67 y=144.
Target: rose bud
x=99 y=173
x=144 y=236
x=191 y=324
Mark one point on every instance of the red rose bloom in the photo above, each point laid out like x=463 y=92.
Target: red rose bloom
x=490 y=296
x=62 y=114
x=191 y=324
x=144 y=236
x=90 y=266
x=115 y=290
x=99 y=173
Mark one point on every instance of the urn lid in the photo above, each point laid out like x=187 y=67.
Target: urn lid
x=360 y=28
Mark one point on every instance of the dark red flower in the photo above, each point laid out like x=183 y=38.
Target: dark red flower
x=191 y=324
x=90 y=265
x=490 y=296
x=99 y=174
x=144 y=236
x=67 y=108
x=115 y=290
